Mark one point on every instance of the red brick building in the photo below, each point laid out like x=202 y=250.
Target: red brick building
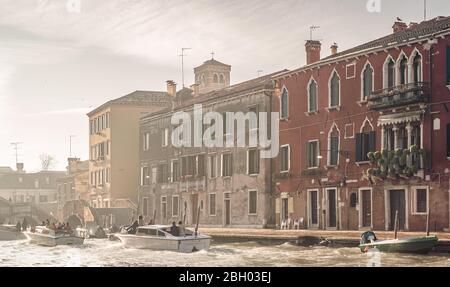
x=365 y=133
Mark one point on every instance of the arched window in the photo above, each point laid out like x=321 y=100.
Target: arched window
x=333 y=146
x=403 y=69
x=417 y=68
x=334 y=90
x=312 y=96
x=284 y=104
x=367 y=81
x=215 y=79
x=390 y=73
x=222 y=79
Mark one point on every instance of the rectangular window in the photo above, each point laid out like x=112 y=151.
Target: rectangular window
x=191 y=166
x=107 y=120
x=146 y=141
x=154 y=175
x=284 y=159
x=365 y=143
x=212 y=204
x=163 y=207
x=107 y=175
x=252 y=202
x=212 y=166
x=43 y=198
x=201 y=169
x=420 y=200
x=227 y=164
x=253 y=162
x=175 y=205
x=91 y=127
x=175 y=171
x=163 y=176
x=145 y=176
x=165 y=137
x=313 y=154
x=184 y=166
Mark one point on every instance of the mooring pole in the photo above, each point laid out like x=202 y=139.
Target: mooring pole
x=428 y=223
x=396 y=224
x=198 y=220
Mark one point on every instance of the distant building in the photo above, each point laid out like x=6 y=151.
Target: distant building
x=231 y=186
x=74 y=185
x=114 y=148
x=37 y=188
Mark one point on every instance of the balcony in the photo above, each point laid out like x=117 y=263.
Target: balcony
x=402 y=95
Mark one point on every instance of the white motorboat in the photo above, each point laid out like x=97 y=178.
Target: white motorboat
x=158 y=237
x=42 y=235
x=10 y=232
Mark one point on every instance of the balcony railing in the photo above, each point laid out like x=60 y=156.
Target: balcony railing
x=402 y=95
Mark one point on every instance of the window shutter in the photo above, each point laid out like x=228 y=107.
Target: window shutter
x=372 y=141
x=448 y=65
x=290 y=205
x=277 y=205
x=359 y=142
x=309 y=154
x=448 y=140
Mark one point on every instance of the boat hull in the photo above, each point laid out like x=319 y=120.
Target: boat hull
x=49 y=240
x=184 y=245
x=419 y=245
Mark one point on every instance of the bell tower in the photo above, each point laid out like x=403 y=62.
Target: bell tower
x=212 y=75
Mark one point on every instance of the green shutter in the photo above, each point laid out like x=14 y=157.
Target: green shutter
x=448 y=65
x=308 y=154
x=359 y=142
x=372 y=141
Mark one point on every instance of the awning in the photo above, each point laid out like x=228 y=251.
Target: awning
x=402 y=118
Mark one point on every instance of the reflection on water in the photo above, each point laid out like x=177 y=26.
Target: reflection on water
x=96 y=252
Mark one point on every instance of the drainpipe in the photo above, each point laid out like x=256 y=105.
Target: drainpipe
x=431 y=121
x=270 y=95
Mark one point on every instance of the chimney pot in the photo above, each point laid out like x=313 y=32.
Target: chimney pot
x=171 y=88
x=313 y=48
x=195 y=90
x=19 y=166
x=334 y=49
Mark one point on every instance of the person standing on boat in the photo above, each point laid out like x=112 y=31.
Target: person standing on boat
x=141 y=221
x=181 y=231
x=174 y=229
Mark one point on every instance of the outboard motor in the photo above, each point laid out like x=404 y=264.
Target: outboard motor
x=368 y=237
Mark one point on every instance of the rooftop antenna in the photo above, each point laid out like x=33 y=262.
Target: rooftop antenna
x=70 y=145
x=311 y=30
x=182 y=62
x=16 y=147
x=259 y=73
x=424 y=10
x=212 y=55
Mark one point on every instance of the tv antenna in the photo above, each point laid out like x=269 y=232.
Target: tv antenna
x=70 y=145
x=182 y=63
x=16 y=147
x=259 y=73
x=311 y=31
x=424 y=10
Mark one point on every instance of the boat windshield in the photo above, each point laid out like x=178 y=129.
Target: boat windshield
x=151 y=232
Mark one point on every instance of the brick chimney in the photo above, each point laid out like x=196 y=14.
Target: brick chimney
x=171 y=88
x=195 y=90
x=334 y=49
x=312 y=51
x=399 y=26
x=19 y=166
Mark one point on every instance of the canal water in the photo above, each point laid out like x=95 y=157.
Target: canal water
x=102 y=252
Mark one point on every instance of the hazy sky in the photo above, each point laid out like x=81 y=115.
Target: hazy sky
x=56 y=63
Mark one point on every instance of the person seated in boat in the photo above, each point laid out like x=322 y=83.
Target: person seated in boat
x=67 y=227
x=133 y=228
x=141 y=220
x=174 y=229
x=151 y=222
x=19 y=226
x=24 y=224
x=181 y=230
x=368 y=237
x=43 y=223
